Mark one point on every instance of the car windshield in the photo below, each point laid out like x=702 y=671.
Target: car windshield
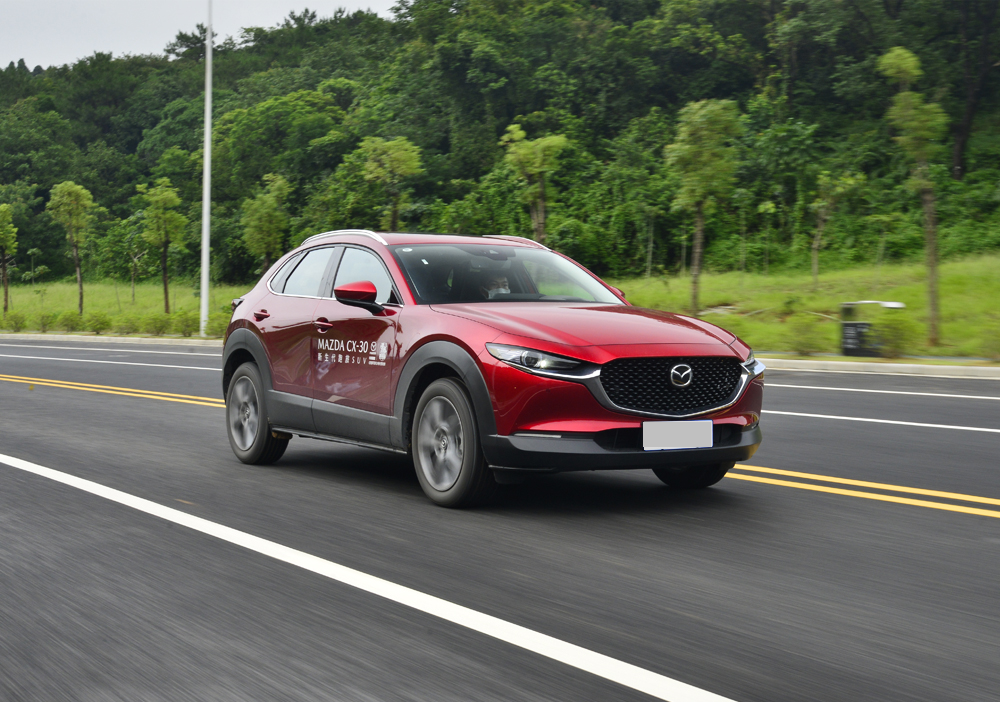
x=445 y=273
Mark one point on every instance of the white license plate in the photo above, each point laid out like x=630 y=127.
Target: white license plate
x=660 y=436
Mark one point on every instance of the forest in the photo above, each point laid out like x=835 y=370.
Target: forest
x=565 y=121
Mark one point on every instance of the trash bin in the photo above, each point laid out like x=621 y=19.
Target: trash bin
x=857 y=335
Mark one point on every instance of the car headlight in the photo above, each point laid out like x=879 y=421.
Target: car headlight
x=753 y=366
x=531 y=360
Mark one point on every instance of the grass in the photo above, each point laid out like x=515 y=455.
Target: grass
x=766 y=311
x=762 y=309
x=116 y=301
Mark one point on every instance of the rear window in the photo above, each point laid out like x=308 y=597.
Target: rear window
x=278 y=281
x=308 y=274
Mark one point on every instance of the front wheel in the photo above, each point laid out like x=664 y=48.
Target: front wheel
x=246 y=418
x=445 y=444
x=693 y=477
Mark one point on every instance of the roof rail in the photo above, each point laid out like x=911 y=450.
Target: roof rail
x=510 y=237
x=357 y=232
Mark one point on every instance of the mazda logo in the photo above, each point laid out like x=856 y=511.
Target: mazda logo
x=681 y=375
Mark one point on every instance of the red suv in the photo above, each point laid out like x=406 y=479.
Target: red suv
x=486 y=360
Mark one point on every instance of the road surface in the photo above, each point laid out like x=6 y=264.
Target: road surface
x=849 y=560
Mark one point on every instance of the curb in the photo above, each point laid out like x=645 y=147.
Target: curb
x=95 y=339
x=941 y=371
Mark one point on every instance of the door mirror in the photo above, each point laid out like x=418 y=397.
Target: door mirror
x=617 y=291
x=359 y=294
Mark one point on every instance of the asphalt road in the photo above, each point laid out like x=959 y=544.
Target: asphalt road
x=799 y=588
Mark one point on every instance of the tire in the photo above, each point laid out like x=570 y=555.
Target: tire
x=445 y=444
x=246 y=419
x=693 y=477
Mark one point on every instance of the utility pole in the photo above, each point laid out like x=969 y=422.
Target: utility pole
x=206 y=193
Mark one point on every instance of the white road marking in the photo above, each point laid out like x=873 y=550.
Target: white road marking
x=93 y=348
x=857 y=372
x=114 y=363
x=886 y=392
x=883 y=421
x=612 y=669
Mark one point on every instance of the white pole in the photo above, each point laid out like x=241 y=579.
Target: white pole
x=206 y=194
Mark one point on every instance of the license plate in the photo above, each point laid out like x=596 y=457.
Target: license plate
x=661 y=436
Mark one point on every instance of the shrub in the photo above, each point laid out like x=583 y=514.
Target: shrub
x=217 y=324
x=897 y=333
x=156 y=323
x=126 y=324
x=69 y=321
x=15 y=321
x=186 y=322
x=805 y=336
x=97 y=322
x=45 y=321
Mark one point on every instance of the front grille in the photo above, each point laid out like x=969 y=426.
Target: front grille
x=643 y=384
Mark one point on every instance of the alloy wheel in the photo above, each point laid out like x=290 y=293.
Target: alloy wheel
x=440 y=443
x=244 y=413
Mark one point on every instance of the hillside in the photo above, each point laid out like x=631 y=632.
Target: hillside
x=317 y=100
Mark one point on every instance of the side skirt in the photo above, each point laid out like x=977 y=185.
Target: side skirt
x=338 y=439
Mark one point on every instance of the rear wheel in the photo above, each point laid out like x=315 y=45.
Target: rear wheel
x=693 y=477
x=445 y=443
x=246 y=418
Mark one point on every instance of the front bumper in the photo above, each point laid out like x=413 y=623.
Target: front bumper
x=576 y=452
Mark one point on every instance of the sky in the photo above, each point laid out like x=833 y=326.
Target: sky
x=54 y=32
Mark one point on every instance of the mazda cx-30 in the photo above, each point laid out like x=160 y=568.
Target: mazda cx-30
x=485 y=360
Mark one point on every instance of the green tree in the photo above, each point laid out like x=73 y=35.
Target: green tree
x=122 y=250
x=71 y=205
x=163 y=226
x=919 y=126
x=534 y=160
x=265 y=220
x=34 y=273
x=344 y=199
x=705 y=159
x=830 y=191
x=8 y=247
x=389 y=163
x=293 y=135
x=36 y=143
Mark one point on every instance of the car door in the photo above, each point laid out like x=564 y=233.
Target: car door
x=285 y=320
x=353 y=353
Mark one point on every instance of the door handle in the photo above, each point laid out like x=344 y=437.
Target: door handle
x=261 y=314
x=322 y=324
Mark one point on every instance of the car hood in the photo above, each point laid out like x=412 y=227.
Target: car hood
x=590 y=325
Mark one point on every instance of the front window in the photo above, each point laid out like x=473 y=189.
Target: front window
x=357 y=266
x=445 y=273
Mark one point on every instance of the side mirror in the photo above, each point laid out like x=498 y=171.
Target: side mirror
x=360 y=294
x=617 y=291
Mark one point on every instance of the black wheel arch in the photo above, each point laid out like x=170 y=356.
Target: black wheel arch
x=244 y=346
x=434 y=360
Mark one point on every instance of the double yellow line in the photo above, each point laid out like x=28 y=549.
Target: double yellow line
x=740 y=472
x=864 y=494
x=111 y=390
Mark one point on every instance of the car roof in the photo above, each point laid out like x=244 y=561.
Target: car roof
x=397 y=238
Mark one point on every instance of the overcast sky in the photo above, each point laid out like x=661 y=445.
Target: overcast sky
x=53 y=32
